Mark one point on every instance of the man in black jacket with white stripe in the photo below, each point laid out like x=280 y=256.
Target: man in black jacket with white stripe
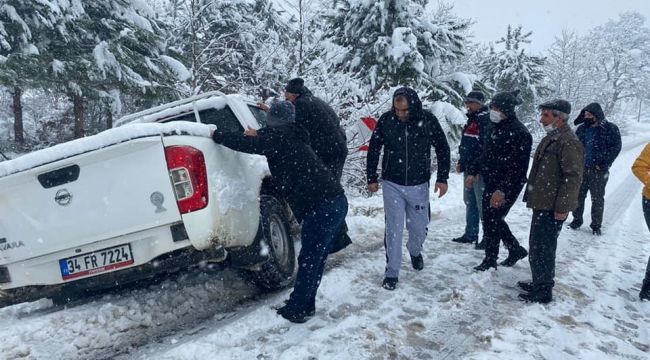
x=406 y=134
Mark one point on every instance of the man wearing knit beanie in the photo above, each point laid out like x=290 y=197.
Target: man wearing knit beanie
x=503 y=166
x=326 y=136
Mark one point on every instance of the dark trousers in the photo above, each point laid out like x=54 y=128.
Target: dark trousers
x=320 y=226
x=542 y=243
x=342 y=239
x=646 y=214
x=594 y=182
x=495 y=228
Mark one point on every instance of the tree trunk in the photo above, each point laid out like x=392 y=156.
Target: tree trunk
x=109 y=117
x=18 y=116
x=78 y=102
x=638 y=119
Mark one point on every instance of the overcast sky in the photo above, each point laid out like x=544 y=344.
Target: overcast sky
x=545 y=18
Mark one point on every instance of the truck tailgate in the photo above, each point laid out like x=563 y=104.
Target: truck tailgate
x=116 y=190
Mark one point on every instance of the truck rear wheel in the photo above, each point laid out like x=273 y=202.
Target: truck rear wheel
x=276 y=243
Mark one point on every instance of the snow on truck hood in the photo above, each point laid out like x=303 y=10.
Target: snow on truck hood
x=101 y=140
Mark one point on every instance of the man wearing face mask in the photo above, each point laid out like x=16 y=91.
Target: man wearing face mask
x=474 y=136
x=503 y=165
x=552 y=191
x=602 y=143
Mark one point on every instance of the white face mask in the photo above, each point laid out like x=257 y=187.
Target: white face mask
x=549 y=128
x=495 y=116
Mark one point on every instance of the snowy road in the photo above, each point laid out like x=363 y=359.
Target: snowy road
x=444 y=312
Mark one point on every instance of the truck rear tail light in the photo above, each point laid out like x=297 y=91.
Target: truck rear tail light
x=188 y=176
x=4 y=275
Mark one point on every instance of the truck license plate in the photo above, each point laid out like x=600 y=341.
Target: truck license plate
x=96 y=262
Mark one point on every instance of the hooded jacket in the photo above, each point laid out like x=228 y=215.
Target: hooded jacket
x=297 y=172
x=504 y=161
x=607 y=139
x=407 y=145
x=326 y=136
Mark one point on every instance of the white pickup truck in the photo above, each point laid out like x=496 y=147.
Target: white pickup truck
x=153 y=194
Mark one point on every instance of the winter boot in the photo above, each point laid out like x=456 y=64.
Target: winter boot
x=597 y=231
x=486 y=264
x=575 y=224
x=514 y=256
x=463 y=240
x=417 y=262
x=311 y=311
x=526 y=286
x=645 y=290
x=389 y=283
x=292 y=314
x=542 y=295
x=480 y=245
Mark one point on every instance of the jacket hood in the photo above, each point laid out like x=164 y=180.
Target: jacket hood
x=415 y=104
x=593 y=108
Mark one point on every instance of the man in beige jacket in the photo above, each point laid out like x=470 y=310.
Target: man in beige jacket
x=552 y=192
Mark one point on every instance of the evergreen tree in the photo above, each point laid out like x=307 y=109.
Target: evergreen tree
x=513 y=69
x=393 y=42
x=230 y=46
x=89 y=50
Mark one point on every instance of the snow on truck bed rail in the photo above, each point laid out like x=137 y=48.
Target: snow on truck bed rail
x=101 y=140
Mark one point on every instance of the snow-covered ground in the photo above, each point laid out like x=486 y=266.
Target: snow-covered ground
x=445 y=311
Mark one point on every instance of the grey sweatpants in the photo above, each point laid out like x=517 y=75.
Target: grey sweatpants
x=402 y=204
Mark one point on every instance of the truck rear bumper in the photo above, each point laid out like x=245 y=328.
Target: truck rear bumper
x=145 y=246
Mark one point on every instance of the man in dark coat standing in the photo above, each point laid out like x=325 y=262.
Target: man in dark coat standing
x=406 y=134
x=475 y=133
x=314 y=195
x=503 y=166
x=326 y=136
x=602 y=143
x=552 y=191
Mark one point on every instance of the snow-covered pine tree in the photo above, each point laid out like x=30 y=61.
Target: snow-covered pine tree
x=25 y=30
x=233 y=46
x=393 y=42
x=96 y=49
x=512 y=68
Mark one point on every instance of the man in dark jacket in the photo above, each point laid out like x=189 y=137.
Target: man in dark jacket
x=503 y=165
x=552 y=191
x=602 y=143
x=474 y=136
x=315 y=196
x=326 y=136
x=406 y=134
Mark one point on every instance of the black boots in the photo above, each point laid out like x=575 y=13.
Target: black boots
x=463 y=240
x=480 y=245
x=486 y=264
x=575 y=224
x=417 y=262
x=538 y=294
x=645 y=290
x=515 y=255
x=526 y=285
x=597 y=232
x=295 y=316
x=389 y=283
